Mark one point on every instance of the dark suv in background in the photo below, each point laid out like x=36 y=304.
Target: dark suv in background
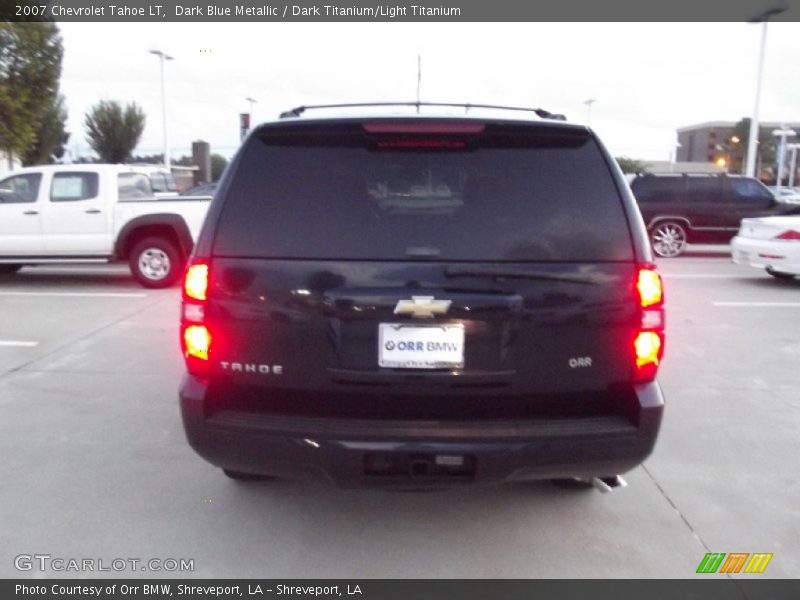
x=422 y=300
x=699 y=208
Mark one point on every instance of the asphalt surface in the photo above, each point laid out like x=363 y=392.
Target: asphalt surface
x=95 y=464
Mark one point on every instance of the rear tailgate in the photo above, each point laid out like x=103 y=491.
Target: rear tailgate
x=519 y=336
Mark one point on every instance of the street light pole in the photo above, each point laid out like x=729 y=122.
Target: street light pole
x=588 y=104
x=162 y=57
x=763 y=18
x=750 y=170
x=793 y=162
x=782 y=133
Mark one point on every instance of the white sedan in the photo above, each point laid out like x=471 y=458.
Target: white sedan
x=771 y=243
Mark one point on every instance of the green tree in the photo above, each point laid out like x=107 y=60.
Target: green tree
x=113 y=131
x=30 y=67
x=631 y=165
x=51 y=136
x=218 y=164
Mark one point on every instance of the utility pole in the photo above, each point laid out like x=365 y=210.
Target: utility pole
x=763 y=18
x=163 y=57
x=419 y=78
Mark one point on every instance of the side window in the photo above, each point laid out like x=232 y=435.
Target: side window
x=704 y=189
x=657 y=189
x=19 y=189
x=133 y=186
x=71 y=187
x=750 y=191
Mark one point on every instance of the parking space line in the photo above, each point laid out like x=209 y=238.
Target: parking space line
x=705 y=276
x=78 y=294
x=760 y=304
x=18 y=343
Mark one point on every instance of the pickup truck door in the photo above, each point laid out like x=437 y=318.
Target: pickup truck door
x=76 y=217
x=20 y=215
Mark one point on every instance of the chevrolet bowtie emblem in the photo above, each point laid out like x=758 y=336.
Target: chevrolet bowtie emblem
x=422 y=307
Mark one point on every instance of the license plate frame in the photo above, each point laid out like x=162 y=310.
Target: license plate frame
x=394 y=355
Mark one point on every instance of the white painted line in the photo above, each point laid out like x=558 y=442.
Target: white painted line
x=705 y=276
x=80 y=270
x=764 y=304
x=77 y=294
x=18 y=343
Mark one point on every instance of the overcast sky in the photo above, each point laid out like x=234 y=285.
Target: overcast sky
x=647 y=79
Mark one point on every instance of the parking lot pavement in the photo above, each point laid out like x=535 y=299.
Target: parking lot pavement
x=95 y=464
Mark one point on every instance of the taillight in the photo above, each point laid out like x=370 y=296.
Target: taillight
x=648 y=343
x=197 y=341
x=791 y=234
x=195 y=284
x=650 y=288
x=195 y=334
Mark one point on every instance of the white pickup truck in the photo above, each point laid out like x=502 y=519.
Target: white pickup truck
x=96 y=212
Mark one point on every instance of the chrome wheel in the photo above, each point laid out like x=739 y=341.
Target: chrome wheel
x=668 y=239
x=154 y=263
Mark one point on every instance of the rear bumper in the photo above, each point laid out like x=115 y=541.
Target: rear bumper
x=783 y=257
x=354 y=453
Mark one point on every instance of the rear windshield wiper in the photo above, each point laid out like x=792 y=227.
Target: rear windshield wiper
x=490 y=273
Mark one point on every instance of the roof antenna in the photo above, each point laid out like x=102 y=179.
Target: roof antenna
x=419 y=77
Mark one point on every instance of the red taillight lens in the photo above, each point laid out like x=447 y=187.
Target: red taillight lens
x=422 y=127
x=417 y=144
x=648 y=343
x=648 y=346
x=195 y=334
x=650 y=288
x=789 y=235
x=197 y=341
x=195 y=283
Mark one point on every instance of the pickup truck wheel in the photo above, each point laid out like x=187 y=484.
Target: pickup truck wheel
x=155 y=262
x=9 y=269
x=669 y=239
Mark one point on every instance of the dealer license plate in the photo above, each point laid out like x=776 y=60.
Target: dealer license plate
x=404 y=346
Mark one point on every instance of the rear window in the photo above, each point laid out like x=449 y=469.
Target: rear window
x=163 y=182
x=133 y=186
x=503 y=194
x=73 y=187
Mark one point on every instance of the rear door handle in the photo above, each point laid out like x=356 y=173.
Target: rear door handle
x=93 y=211
x=31 y=212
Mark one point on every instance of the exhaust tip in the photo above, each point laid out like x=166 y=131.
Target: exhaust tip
x=608 y=484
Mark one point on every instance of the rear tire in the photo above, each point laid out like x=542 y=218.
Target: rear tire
x=669 y=238
x=9 y=269
x=779 y=275
x=156 y=262
x=239 y=476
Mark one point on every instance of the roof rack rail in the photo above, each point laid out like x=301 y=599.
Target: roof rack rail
x=540 y=112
